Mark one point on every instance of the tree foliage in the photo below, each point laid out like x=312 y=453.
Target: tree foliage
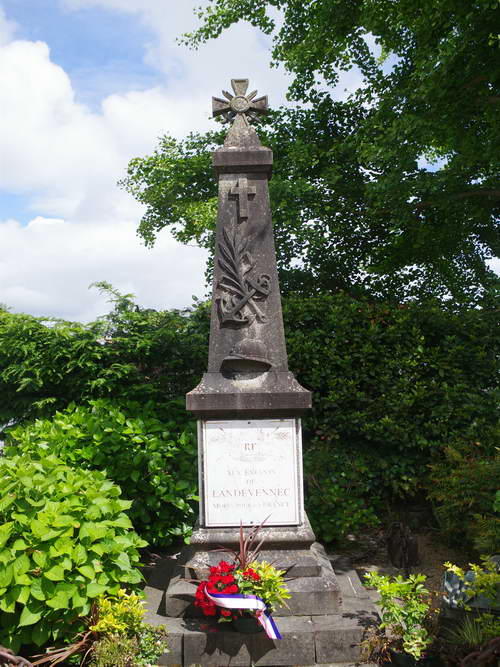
x=131 y=354
x=355 y=204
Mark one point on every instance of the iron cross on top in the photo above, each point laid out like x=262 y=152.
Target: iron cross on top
x=239 y=104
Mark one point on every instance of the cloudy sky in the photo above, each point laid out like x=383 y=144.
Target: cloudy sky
x=85 y=86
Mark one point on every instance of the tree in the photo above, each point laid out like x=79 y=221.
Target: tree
x=355 y=203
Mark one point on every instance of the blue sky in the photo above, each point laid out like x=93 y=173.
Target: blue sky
x=86 y=86
x=102 y=50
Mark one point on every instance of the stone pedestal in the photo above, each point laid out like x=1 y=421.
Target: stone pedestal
x=329 y=612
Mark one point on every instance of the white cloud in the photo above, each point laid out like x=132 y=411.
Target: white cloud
x=47 y=266
x=68 y=160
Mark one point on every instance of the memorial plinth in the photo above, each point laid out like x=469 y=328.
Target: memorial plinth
x=248 y=406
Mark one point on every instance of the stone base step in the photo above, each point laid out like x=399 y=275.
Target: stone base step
x=308 y=640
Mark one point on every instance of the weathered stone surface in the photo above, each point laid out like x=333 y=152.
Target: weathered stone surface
x=225 y=647
x=338 y=638
x=268 y=393
x=179 y=598
x=312 y=596
x=247 y=362
x=330 y=639
x=173 y=626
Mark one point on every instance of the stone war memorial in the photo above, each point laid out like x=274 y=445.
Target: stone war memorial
x=248 y=406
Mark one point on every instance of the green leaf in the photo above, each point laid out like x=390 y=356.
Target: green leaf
x=79 y=554
x=21 y=565
x=29 y=617
x=5 y=532
x=41 y=633
x=24 y=594
x=56 y=573
x=123 y=561
x=59 y=601
x=94 y=531
x=39 y=529
x=19 y=545
x=40 y=558
x=37 y=590
x=87 y=571
x=6 y=574
x=94 y=589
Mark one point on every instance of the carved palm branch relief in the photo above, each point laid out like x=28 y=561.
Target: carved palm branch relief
x=238 y=304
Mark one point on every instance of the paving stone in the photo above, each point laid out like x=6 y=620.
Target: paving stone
x=337 y=638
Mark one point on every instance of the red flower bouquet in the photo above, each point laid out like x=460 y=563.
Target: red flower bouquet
x=247 y=588
x=224 y=579
x=231 y=593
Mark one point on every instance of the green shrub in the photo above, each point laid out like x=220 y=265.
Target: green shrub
x=336 y=492
x=64 y=540
x=462 y=486
x=405 y=606
x=156 y=467
x=393 y=385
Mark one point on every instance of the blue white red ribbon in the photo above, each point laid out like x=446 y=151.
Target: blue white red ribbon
x=250 y=603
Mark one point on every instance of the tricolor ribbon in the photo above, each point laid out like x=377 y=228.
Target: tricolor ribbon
x=251 y=603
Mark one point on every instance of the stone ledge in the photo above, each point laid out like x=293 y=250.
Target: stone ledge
x=275 y=537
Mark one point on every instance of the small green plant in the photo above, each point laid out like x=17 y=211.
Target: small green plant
x=64 y=540
x=124 y=638
x=475 y=631
x=405 y=606
x=137 y=449
x=121 y=614
x=265 y=581
x=108 y=652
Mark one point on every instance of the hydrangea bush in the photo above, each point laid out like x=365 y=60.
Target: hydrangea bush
x=64 y=540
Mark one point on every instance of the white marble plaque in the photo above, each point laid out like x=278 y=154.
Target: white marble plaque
x=251 y=470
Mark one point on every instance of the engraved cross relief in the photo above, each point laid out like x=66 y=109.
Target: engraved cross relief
x=242 y=190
